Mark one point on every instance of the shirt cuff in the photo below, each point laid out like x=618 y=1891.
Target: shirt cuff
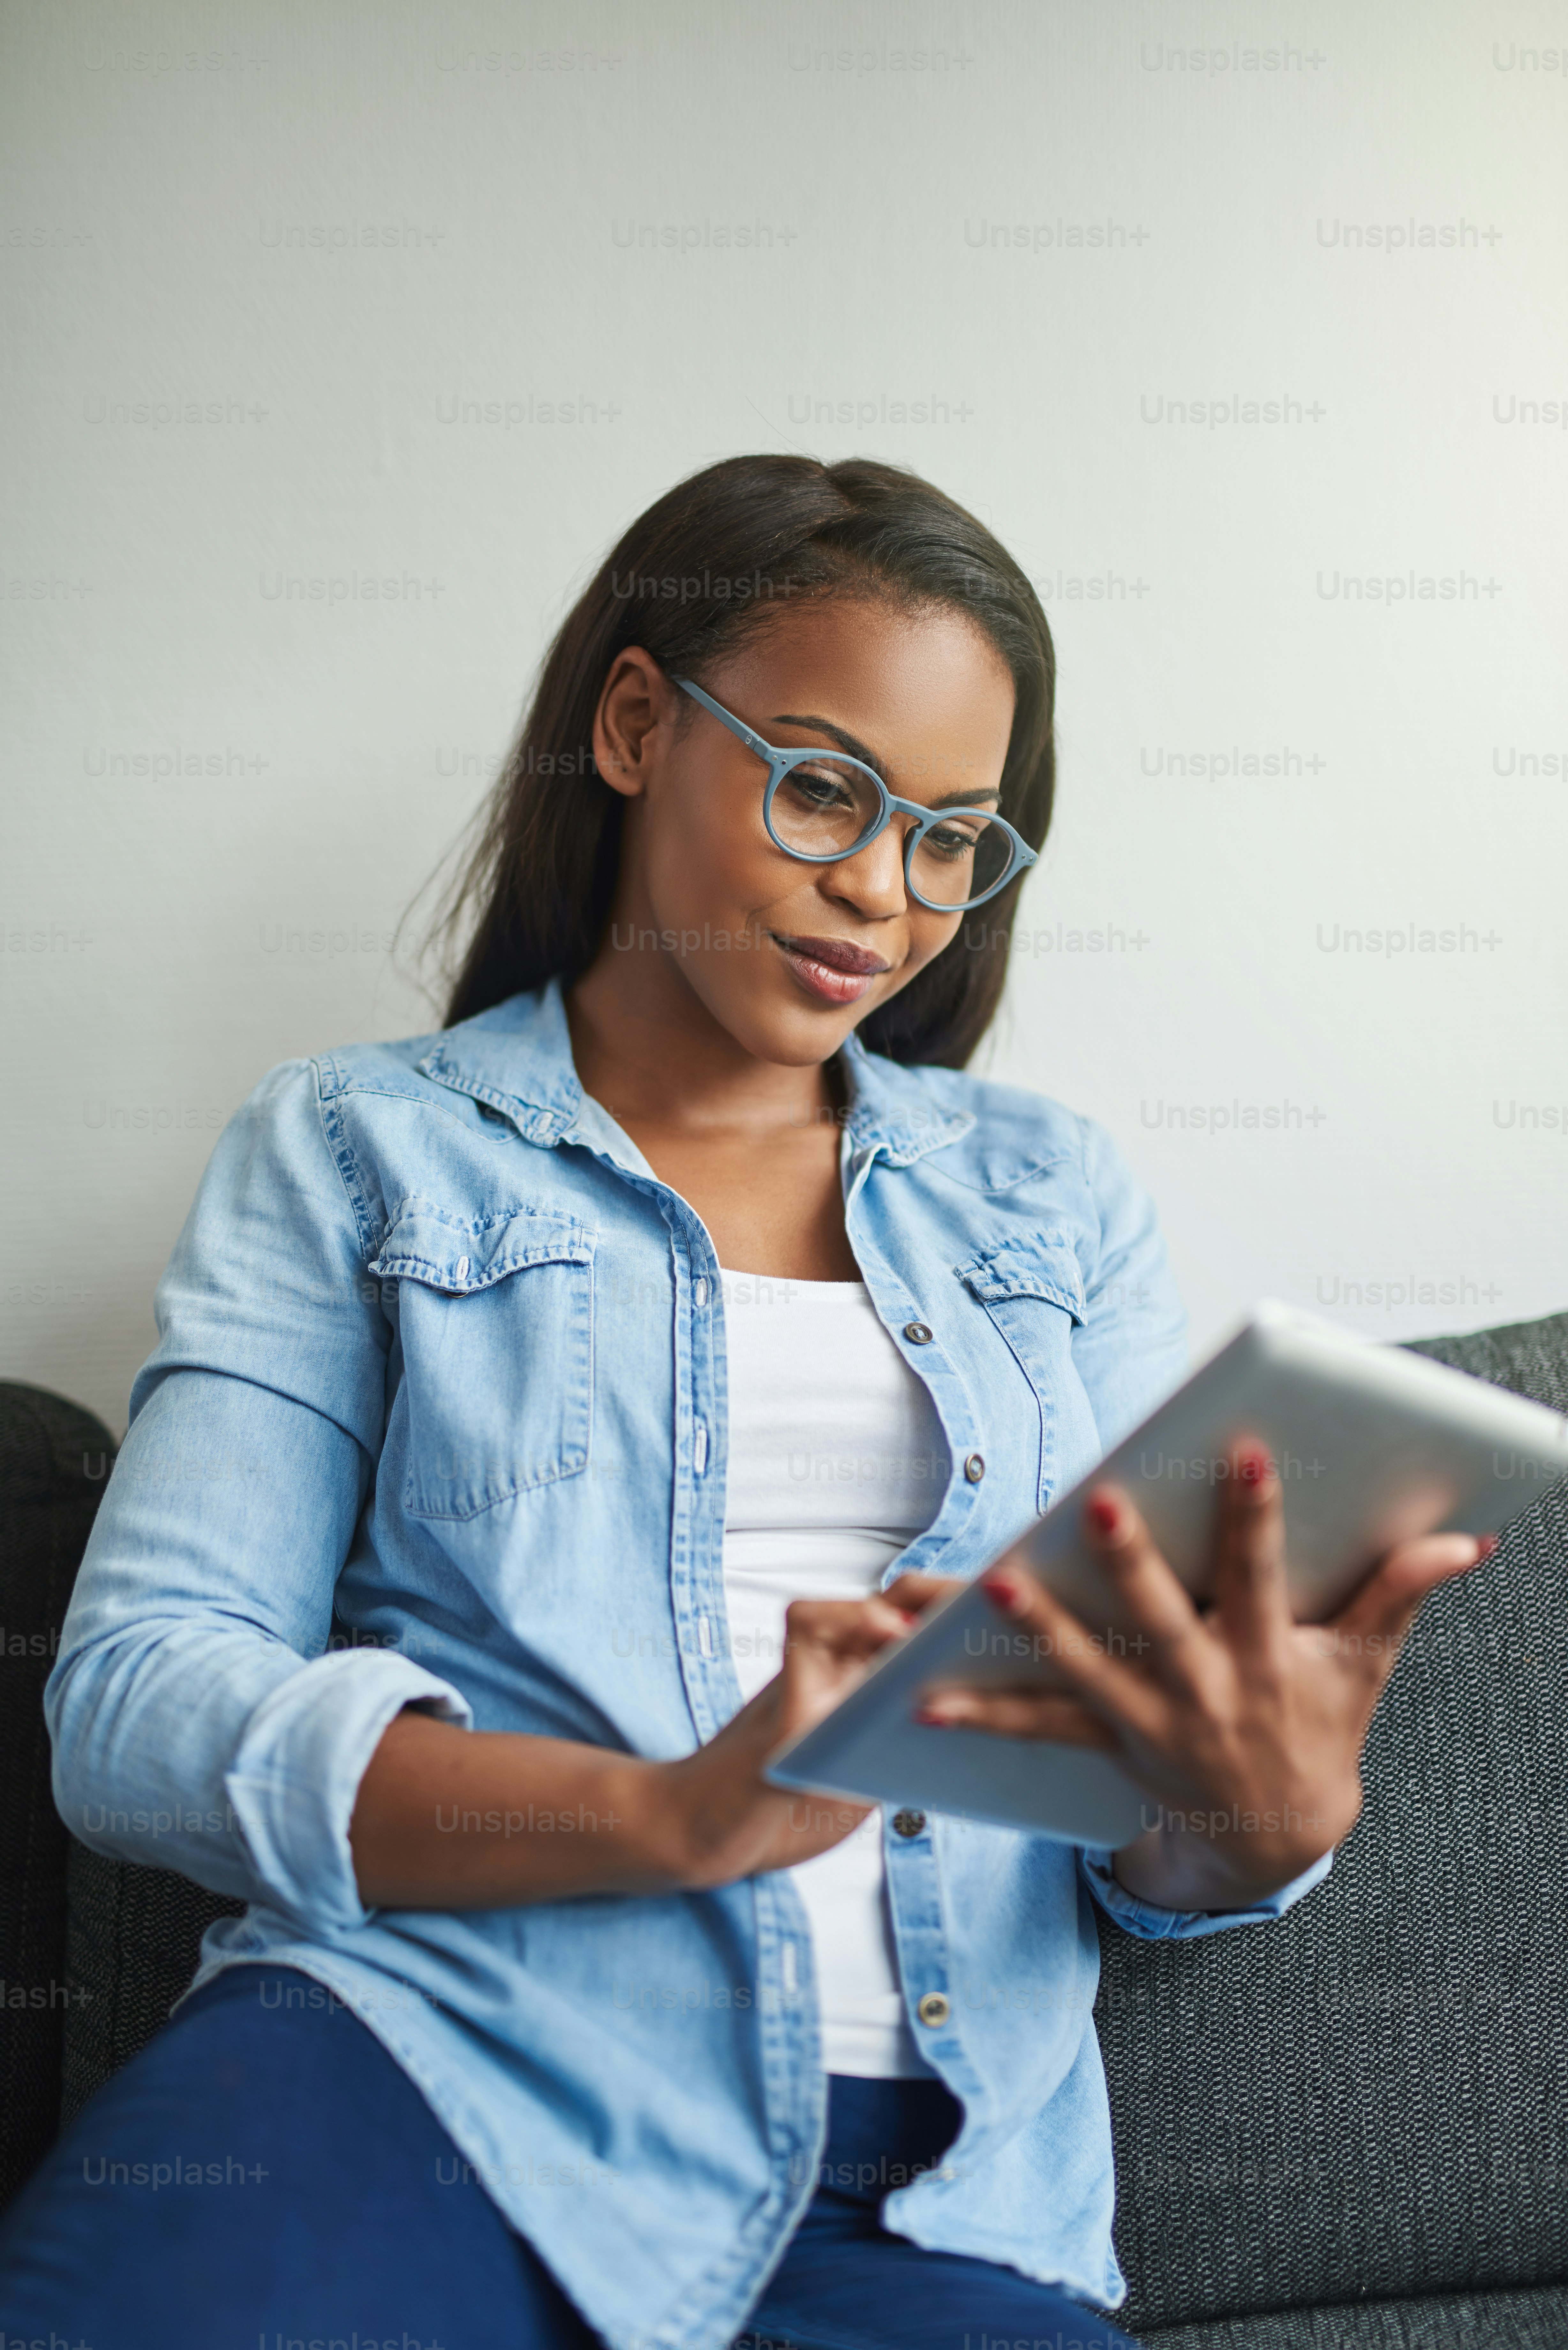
x=294 y=1780
x=1150 y=1924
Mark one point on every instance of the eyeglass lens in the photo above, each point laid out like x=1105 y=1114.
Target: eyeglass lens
x=827 y=808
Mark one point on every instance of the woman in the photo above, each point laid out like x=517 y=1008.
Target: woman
x=511 y=1383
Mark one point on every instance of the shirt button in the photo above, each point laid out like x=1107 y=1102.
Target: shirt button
x=700 y=1289
x=459 y=1270
x=974 y=1468
x=918 y=1334
x=934 y=2009
x=909 y=1823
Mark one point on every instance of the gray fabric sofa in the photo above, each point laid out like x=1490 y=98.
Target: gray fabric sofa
x=1347 y=2130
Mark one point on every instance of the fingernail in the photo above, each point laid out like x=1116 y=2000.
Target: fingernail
x=1485 y=1546
x=1005 y=1592
x=1255 y=1465
x=1104 y=1516
x=935 y=1713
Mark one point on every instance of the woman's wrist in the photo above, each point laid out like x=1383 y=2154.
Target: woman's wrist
x=664 y=1823
x=696 y=1818
x=1173 y=1870
x=658 y=1828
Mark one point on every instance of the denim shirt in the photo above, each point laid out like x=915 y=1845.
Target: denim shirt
x=437 y=1415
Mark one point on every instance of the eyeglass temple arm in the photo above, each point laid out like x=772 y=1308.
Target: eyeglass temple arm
x=736 y=726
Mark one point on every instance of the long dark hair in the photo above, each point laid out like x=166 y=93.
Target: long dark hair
x=716 y=559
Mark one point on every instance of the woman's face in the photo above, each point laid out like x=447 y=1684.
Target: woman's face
x=789 y=957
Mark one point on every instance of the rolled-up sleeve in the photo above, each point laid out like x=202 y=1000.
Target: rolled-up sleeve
x=1150 y=1924
x=200 y=1719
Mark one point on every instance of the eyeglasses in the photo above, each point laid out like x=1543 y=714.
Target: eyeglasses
x=823 y=807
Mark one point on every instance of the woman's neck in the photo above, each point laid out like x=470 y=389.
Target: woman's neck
x=646 y=1046
x=751 y=1146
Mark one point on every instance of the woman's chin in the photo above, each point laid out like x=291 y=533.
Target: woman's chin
x=791 y=1035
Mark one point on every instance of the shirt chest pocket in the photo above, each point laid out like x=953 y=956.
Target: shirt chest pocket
x=496 y=1320
x=1032 y=1291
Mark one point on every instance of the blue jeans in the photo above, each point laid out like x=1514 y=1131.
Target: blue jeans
x=319 y=2216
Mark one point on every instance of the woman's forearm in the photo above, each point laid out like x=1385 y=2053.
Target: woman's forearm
x=459 y=1819
x=456 y=1819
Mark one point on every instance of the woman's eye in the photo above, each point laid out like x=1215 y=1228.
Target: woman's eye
x=951 y=840
x=822 y=788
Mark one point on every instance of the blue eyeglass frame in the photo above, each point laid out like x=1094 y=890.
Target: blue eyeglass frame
x=779 y=763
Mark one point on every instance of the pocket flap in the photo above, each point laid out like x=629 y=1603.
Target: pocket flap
x=1031 y=1265
x=424 y=1243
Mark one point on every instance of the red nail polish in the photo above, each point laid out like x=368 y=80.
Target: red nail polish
x=1486 y=1544
x=1103 y=1515
x=1005 y=1593
x=1255 y=1465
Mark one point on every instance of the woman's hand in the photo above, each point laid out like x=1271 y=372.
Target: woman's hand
x=726 y=1821
x=1244 y=1728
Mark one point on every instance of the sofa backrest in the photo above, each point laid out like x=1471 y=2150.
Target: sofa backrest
x=1369 y=2097
x=93 y=1952
x=54 y=1459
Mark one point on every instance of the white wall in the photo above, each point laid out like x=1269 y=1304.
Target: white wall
x=156 y=159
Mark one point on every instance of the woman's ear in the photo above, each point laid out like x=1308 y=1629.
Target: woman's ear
x=635 y=707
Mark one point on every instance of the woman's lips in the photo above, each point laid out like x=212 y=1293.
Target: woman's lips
x=834 y=971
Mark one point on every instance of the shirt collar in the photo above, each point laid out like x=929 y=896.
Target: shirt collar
x=898 y=1109
x=517 y=1056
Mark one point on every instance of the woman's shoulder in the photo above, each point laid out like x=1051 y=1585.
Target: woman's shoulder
x=516 y=1054
x=353 y=1134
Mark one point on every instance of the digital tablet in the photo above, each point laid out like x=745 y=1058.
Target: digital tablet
x=1372 y=1445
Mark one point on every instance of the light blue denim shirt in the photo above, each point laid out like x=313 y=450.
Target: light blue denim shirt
x=438 y=1414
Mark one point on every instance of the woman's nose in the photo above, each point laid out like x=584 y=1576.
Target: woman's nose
x=873 y=879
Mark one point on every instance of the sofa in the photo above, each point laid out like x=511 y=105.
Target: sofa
x=1345 y=2130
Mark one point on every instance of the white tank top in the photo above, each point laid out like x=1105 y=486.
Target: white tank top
x=836 y=1462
